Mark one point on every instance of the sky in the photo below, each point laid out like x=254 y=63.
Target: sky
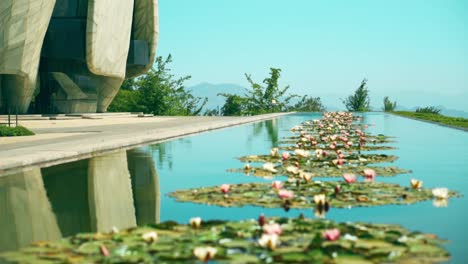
x=415 y=52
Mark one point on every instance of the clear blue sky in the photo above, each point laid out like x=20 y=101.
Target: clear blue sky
x=415 y=51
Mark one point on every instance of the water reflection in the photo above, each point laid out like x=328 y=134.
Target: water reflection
x=271 y=129
x=120 y=190
x=26 y=214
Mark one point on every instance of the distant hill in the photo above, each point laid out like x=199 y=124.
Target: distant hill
x=211 y=91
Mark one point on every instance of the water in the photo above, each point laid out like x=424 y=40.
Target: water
x=97 y=194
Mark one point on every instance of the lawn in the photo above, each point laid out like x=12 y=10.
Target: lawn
x=459 y=122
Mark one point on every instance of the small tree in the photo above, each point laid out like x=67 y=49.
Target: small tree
x=389 y=106
x=360 y=100
x=308 y=104
x=234 y=105
x=260 y=99
x=158 y=92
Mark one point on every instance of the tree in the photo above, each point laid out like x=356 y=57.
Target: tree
x=158 y=92
x=235 y=105
x=389 y=106
x=308 y=104
x=360 y=100
x=260 y=99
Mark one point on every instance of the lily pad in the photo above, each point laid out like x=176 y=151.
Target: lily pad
x=353 y=158
x=323 y=171
x=301 y=241
x=350 y=195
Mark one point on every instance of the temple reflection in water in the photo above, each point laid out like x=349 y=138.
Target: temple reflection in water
x=120 y=189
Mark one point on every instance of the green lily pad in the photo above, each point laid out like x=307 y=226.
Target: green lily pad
x=323 y=171
x=313 y=161
x=301 y=241
x=350 y=195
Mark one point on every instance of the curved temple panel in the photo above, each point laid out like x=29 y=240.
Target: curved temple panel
x=145 y=27
x=23 y=24
x=108 y=32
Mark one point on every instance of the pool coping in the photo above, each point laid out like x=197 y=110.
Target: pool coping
x=73 y=148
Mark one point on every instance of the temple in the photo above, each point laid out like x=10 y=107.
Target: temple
x=71 y=56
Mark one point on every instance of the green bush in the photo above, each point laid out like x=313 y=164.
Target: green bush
x=14 y=131
x=428 y=110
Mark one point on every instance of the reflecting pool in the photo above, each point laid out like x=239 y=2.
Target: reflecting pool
x=130 y=187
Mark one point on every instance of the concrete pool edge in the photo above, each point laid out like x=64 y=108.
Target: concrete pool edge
x=113 y=138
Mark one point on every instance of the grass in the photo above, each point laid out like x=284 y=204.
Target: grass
x=14 y=131
x=459 y=122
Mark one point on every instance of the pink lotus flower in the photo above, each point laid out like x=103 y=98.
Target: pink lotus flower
x=285 y=194
x=272 y=229
x=277 y=185
x=285 y=155
x=225 y=188
x=349 y=177
x=331 y=234
x=369 y=174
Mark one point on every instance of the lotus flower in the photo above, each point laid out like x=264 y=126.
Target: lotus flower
x=195 y=222
x=150 y=237
x=440 y=202
x=349 y=177
x=277 y=185
x=292 y=169
x=337 y=189
x=305 y=176
x=225 y=188
x=285 y=194
x=104 y=251
x=274 y=152
x=269 y=241
x=301 y=153
x=285 y=155
x=319 y=199
x=273 y=228
x=270 y=167
x=331 y=234
x=440 y=193
x=369 y=174
x=261 y=220
x=205 y=253
x=318 y=153
x=416 y=184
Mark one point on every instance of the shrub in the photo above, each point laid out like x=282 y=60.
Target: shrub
x=14 y=131
x=429 y=110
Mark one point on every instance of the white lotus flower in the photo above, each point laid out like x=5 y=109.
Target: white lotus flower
x=269 y=241
x=195 y=222
x=292 y=169
x=305 y=176
x=150 y=237
x=270 y=167
x=319 y=199
x=274 y=152
x=440 y=193
x=301 y=153
x=416 y=184
x=350 y=237
x=205 y=253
